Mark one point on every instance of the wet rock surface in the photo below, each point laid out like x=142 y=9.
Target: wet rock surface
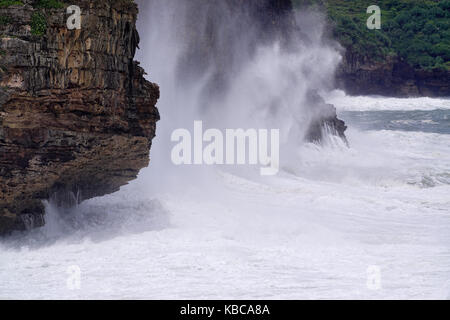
x=324 y=120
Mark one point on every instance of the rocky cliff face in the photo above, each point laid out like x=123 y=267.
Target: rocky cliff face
x=391 y=77
x=77 y=116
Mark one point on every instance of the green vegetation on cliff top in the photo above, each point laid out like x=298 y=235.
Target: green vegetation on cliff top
x=7 y=3
x=50 y=4
x=417 y=31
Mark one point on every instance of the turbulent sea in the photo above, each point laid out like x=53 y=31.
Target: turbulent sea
x=368 y=221
x=314 y=231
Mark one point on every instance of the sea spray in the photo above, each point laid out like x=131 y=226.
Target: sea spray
x=219 y=63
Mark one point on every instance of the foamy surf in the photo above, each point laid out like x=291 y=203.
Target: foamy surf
x=344 y=102
x=310 y=233
x=317 y=230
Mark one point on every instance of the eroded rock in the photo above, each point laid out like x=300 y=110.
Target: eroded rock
x=76 y=114
x=324 y=120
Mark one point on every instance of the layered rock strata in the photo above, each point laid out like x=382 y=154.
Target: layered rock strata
x=77 y=116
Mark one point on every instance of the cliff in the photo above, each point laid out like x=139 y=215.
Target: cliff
x=77 y=116
x=390 y=76
x=408 y=56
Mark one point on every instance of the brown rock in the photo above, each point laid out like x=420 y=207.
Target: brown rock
x=76 y=114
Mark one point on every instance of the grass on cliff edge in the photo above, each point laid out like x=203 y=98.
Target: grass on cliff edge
x=47 y=4
x=7 y=3
x=418 y=31
x=50 y=4
x=39 y=20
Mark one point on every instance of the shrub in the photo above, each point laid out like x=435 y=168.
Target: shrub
x=38 y=24
x=416 y=30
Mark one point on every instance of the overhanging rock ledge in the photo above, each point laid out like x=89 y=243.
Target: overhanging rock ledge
x=76 y=114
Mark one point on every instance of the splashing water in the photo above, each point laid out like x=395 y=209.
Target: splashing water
x=313 y=231
x=240 y=79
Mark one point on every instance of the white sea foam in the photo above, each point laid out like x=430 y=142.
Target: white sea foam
x=311 y=234
x=313 y=231
x=344 y=102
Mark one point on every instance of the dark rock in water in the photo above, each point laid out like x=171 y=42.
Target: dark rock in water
x=76 y=114
x=324 y=120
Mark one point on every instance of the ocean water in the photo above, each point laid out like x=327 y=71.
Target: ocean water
x=433 y=121
x=325 y=228
x=372 y=113
x=367 y=221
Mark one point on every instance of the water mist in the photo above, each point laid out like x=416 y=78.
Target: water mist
x=317 y=230
x=221 y=63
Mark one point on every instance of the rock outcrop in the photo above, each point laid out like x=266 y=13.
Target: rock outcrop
x=391 y=77
x=77 y=116
x=324 y=120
